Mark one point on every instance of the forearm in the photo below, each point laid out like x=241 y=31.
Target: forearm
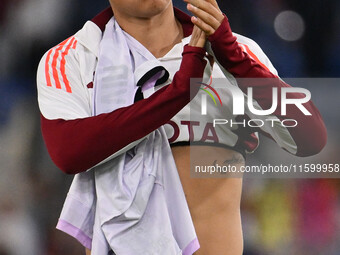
x=310 y=134
x=77 y=145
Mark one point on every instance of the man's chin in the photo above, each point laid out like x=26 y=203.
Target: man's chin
x=154 y=7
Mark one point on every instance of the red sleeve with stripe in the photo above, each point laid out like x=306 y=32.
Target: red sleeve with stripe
x=77 y=145
x=310 y=135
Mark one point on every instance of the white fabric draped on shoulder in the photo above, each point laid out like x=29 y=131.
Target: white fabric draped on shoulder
x=132 y=204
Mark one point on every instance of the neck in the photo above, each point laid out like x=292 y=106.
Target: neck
x=158 y=33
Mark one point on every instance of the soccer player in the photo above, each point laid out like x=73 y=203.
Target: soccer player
x=78 y=140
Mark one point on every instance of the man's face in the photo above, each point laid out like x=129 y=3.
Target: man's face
x=139 y=8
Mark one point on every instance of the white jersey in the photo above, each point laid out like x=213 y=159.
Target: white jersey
x=77 y=140
x=65 y=89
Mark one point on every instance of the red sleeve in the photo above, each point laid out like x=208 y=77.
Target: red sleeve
x=310 y=135
x=77 y=145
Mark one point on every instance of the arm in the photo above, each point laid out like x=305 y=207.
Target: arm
x=310 y=136
x=80 y=143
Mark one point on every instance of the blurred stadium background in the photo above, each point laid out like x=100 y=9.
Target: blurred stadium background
x=280 y=216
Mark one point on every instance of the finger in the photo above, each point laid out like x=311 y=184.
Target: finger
x=204 y=5
x=195 y=34
x=214 y=3
x=208 y=30
x=198 y=38
x=204 y=16
x=201 y=37
x=208 y=7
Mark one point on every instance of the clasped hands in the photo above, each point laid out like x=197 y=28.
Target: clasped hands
x=207 y=18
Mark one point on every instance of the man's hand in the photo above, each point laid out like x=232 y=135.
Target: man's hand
x=198 y=38
x=208 y=16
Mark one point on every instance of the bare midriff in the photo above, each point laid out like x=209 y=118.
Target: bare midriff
x=214 y=203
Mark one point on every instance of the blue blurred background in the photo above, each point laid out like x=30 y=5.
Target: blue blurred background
x=292 y=216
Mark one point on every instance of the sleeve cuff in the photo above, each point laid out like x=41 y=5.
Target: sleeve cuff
x=222 y=30
x=196 y=50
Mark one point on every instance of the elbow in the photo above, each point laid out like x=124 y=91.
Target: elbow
x=65 y=156
x=67 y=168
x=63 y=149
x=67 y=163
x=312 y=141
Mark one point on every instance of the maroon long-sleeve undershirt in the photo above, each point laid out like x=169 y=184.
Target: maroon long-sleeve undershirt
x=310 y=134
x=77 y=145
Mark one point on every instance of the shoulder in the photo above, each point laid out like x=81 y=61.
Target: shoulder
x=65 y=73
x=74 y=56
x=85 y=41
x=52 y=66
